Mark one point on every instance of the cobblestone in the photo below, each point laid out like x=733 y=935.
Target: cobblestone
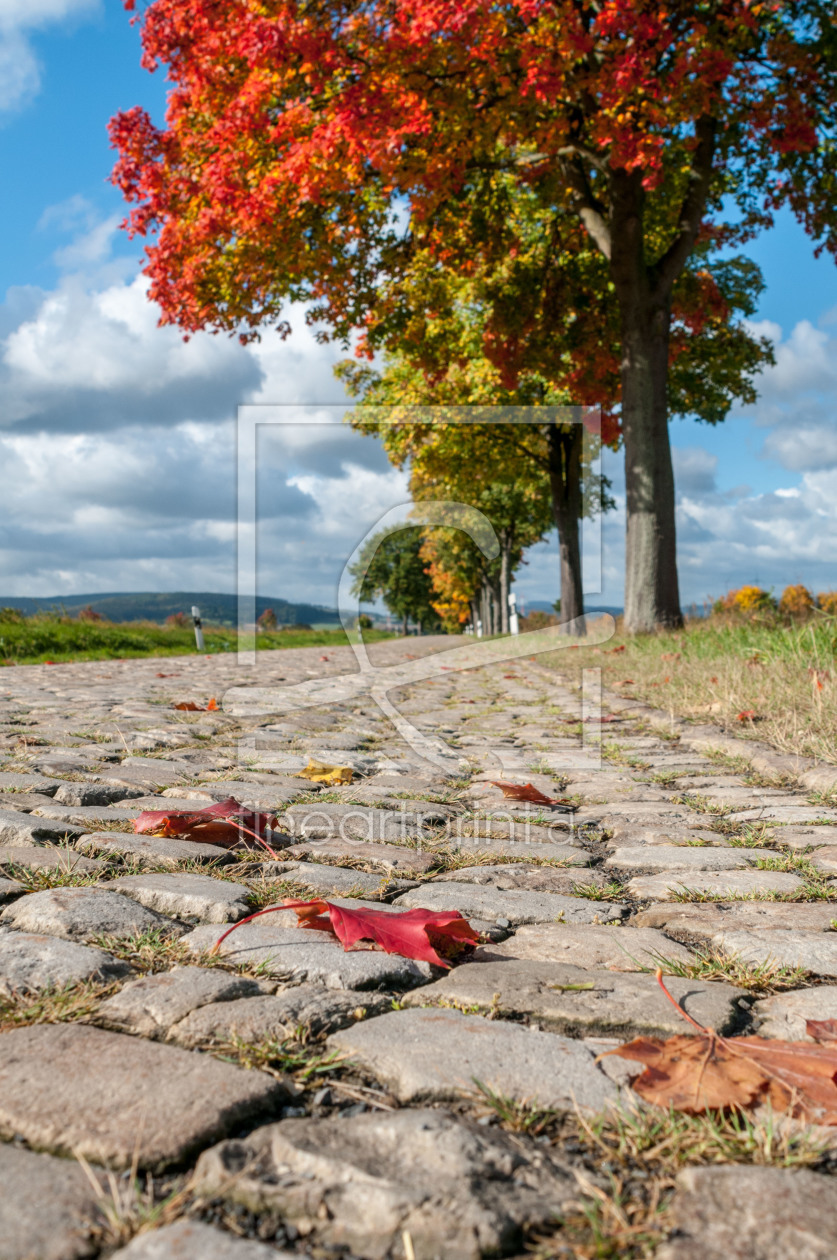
x=421 y=1120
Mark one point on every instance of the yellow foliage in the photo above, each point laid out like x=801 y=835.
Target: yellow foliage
x=827 y=601
x=796 y=601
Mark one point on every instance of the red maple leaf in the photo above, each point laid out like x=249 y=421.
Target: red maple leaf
x=223 y=824
x=434 y=936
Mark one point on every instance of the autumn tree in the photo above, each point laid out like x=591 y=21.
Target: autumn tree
x=390 y=567
x=296 y=134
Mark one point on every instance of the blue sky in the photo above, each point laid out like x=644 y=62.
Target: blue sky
x=118 y=439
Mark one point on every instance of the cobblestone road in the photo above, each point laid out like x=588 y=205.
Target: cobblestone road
x=287 y=1098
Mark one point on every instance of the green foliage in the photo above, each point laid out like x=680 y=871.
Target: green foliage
x=391 y=568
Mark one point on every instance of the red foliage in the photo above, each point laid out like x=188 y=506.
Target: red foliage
x=225 y=824
x=434 y=936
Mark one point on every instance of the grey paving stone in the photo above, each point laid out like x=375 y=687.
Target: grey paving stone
x=437 y=1054
x=279 y=1015
x=787 y=813
x=186 y=896
x=752 y=1214
x=31 y=962
x=47 y=858
x=651 y=859
x=482 y=902
x=352 y=822
x=815 y=951
x=48 y=1208
x=9 y=889
x=701 y=920
x=825 y=860
x=150 y=1005
x=515 y=829
x=400 y=859
x=586 y=945
x=282 y=949
x=69 y=1089
x=259 y=796
x=17 y=828
x=526 y=876
x=324 y=880
x=193 y=1240
x=627 y=827
x=27 y=802
x=13 y=783
x=580 y=1001
x=151 y=850
x=85 y=816
x=82 y=913
x=459 y=1190
x=721 y=883
x=523 y=851
x=805 y=837
x=784 y=1015
x=93 y=793
x=641 y=835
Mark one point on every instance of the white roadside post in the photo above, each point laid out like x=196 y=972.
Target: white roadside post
x=479 y=629
x=196 y=617
x=514 y=621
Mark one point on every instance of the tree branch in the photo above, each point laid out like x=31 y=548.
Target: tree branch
x=590 y=211
x=666 y=270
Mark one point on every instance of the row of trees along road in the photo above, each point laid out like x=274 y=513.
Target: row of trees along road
x=589 y=166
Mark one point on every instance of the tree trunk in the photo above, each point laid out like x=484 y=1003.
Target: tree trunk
x=565 y=448
x=405 y=626
x=652 y=596
x=505 y=568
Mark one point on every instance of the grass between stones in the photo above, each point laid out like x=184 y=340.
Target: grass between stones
x=63 y=1005
x=761 y=977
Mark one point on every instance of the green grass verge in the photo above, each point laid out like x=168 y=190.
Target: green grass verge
x=36 y=640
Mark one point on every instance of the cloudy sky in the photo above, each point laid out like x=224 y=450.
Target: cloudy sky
x=118 y=440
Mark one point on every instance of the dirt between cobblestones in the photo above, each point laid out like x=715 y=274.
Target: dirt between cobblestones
x=284 y=1098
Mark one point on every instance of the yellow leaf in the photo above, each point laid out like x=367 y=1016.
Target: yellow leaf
x=319 y=772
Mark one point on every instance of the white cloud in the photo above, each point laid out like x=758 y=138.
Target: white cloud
x=20 y=72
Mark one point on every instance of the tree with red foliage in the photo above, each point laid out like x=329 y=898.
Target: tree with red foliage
x=296 y=133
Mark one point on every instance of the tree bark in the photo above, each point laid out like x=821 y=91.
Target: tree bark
x=565 y=448
x=652 y=596
x=505 y=567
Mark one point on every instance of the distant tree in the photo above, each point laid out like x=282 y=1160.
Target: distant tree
x=267 y=621
x=178 y=620
x=391 y=568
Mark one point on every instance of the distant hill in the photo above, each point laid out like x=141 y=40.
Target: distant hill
x=218 y=609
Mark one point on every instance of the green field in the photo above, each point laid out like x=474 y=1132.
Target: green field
x=36 y=640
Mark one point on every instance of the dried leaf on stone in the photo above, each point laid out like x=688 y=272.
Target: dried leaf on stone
x=319 y=772
x=434 y=936
x=709 y=1072
x=526 y=792
x=225 y=823
x=189 y=706
x=822 y=1030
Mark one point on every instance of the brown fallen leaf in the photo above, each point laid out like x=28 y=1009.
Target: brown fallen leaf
x=189 y=706
x=525 y=792
x=709 y=1072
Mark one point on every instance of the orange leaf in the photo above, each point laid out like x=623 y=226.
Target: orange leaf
x=516 y=792
x=746 y=715
x=212 y=705
x=433 y=936
x=188 y=706
x=709 y=1072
